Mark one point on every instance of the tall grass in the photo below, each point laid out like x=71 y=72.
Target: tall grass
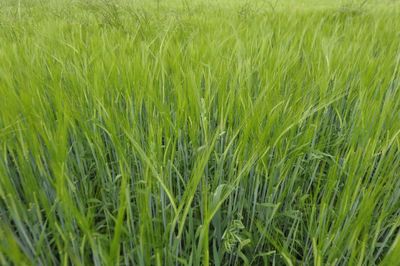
x=210 y=133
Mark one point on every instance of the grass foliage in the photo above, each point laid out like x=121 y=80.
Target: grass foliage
x=245 y=133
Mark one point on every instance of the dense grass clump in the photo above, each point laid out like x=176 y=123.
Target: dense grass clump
x=245 y=133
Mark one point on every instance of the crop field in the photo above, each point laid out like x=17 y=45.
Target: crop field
x=199 y=132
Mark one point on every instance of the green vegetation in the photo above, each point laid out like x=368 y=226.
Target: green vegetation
x=187 y=133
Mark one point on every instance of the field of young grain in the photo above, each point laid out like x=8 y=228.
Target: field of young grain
x=199 y=133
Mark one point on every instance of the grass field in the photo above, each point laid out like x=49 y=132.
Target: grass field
x=199 y=133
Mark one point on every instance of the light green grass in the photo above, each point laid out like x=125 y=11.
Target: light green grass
x=221 y=133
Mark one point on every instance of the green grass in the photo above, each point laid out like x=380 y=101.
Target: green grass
x=187 y=133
